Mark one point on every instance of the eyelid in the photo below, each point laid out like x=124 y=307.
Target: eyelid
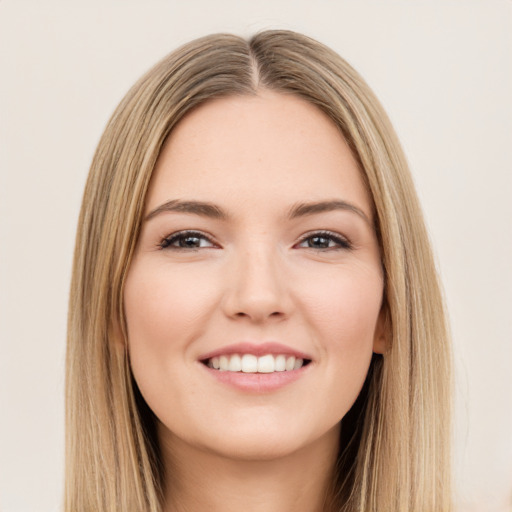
x=342 y=241
x=165 y=243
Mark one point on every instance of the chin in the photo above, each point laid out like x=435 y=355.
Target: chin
x=261 y=441
x=256 y=447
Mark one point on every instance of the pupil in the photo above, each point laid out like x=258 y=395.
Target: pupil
x=190 y=241
x=319 y=241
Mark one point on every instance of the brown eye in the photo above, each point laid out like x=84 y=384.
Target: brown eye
x=319 y=242
x=324 y=241
x=186 y=240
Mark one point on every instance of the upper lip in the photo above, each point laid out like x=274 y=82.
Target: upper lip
x=256 y=349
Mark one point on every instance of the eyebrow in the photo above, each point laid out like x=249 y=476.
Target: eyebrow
x=206 y=209
x=202 y=208
x=304 y=209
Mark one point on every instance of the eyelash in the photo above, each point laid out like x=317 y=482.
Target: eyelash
x=341 y=242
x=182 y=235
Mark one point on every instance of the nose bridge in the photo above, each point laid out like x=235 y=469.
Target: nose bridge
x=258 y=285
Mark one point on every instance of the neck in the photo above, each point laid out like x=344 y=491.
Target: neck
x=198 y=480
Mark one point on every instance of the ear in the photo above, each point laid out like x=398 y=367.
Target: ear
x=382 y=331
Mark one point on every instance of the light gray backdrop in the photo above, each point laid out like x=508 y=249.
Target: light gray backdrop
x=443 y=70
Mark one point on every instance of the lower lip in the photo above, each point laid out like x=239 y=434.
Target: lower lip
x=257 y=382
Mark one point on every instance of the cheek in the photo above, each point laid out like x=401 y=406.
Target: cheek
x=344 y=313
x=164 y=305
x=165 y=312
x=344 y=305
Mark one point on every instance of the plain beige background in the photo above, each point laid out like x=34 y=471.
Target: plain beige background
x=443 y=70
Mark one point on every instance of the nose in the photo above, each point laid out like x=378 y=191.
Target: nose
x=257 y=289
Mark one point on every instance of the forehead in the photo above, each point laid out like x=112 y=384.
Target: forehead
x=269 y=147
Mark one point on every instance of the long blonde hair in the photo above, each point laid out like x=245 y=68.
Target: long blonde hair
x=395 y=440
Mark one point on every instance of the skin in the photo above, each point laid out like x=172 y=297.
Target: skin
x=257 y=276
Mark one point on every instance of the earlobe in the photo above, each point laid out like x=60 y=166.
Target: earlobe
x=382 y=332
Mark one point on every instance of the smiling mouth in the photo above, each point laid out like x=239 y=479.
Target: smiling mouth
x=249 y=363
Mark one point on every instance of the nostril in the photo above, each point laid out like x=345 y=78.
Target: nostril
x=275 y=314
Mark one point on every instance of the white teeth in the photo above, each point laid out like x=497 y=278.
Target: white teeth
x=249 y=363
x=280 y=363
x=266 y=364
x=290 y=363
x=223 y=363
x=235 y=363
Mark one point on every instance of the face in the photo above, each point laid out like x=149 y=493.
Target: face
x=253 y=300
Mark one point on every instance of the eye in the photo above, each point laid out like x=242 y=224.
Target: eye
x=324 y=240
x=186 y=240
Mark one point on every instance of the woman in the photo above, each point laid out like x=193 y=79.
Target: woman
x=255 y=318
